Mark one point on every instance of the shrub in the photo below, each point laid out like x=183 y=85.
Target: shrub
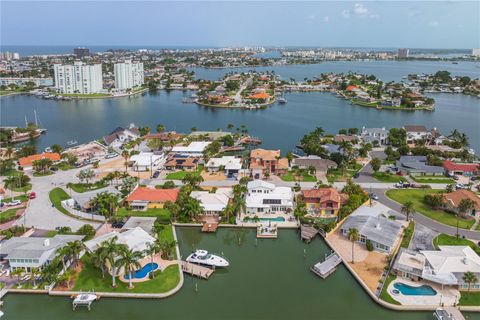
x=369 y=245
x=87 y=230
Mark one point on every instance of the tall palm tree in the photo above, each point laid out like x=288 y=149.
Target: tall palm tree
x=167 y=248
x=408 y=209
x=469 y=278
x=64 y=253
x=112 y=251
x=34 y=272
x=192 y=208
x=128 y=259
x=98 y=258
x=126 y=156
x=353 y=236
x=75 y=248
x=152 y=250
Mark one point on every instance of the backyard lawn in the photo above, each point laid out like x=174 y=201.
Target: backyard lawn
x=303 y=176
x=388 y=177
x=416 y=196
x=90 y=278
x=179 y=175
x=447 y=240
x=163 y=214
x=470 y=298
x=384 y=295
x=56 y=196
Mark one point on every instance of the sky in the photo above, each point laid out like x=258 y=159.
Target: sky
x=381 y=24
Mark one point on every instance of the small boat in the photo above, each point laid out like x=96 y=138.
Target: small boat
x=282 y=100
x=207 y=259
x=72 y=142
x=48 y=149
x=442 y=314
x=84 y=298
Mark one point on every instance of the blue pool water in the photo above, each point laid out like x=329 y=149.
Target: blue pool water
x=143 y=272
x=278 y=219
x=414 y=291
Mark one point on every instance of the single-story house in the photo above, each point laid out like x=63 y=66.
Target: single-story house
x=143 y=198
x=231 y=165
x=27 y=162
x=146 y=161
x=146 y=223
x=417 y=166
x=178 y=162
x=135 y=239
x=467 y=169
x=195 y=148
x=264 y=197
x=213 y=203
x=81 y=201
x=453 y=199
x=31 y=252
x=320 y=165
x=323 y=202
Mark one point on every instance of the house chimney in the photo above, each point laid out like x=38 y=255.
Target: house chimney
x=378 y=226
x=46 y=242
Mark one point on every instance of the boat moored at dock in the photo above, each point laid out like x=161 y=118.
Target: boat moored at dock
x=207 y=259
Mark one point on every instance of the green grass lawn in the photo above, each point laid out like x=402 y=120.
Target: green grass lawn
x=179 y=175
x=470 y=298
x=56 y=196
x=336 y=174
x=22 y=198
x=384 y=295
x=408 y=234
x=388 y=177
x=43 y=174
x=416 y=196
x=65 y=166
x=432 y=179
x=90 y=278
x=163 y=214
x=304 y=176
x=9 y=214
x=26 y=188
x=447 y=240
x=84 y=187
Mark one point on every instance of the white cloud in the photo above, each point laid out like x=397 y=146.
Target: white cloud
x=346 y=14
x=326 y=19
x=359 y=10
x=433 y=24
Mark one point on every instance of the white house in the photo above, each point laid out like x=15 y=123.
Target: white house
x=194 y=149
x=370 y=135
x=144 y=161
x=213 y=203
x=231 y=165
x=120 y=135
x=264 y=197
x=32 y=252
x=416 y=133
x=135 y=239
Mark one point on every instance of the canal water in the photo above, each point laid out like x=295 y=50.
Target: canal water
x=267 y=279
x=280 y=126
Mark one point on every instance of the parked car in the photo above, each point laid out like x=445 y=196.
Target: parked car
x=373 y=196
x=454 y=177
x=156 y=174
x=118 y=224
x=13 y=203
x=462 y=186
x=111 y=155
x=32 y=195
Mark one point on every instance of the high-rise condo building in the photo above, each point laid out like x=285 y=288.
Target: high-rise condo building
x=128 y=74
x=78 y=78
x=403 y=53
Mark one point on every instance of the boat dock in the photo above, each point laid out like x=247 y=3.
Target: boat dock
x=307 y=233
x=267 y=231
x=209 y=227
x=196 y=270
x=328 y=266
x=448 y=313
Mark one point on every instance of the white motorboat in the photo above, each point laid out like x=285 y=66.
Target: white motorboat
x=85 y=298
x=205 y=258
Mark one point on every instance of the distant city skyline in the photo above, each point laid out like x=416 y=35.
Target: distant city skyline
x=388 y=24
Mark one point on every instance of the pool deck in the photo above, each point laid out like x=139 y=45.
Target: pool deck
x=162 y=264
x=447 y=296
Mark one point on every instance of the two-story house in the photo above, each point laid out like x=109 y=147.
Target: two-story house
x=267 y=162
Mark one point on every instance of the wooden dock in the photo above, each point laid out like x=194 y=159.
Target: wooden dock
x=196 y=270
x=307 y=233
x=328 y=266
x=209 y=227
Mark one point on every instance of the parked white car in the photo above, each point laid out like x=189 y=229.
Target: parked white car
x=13 y=203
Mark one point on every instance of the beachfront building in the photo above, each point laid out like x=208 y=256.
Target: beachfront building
x=27 y=162
x=143 y=198
x=453 y=199
x=194 y=149
x=128 y=75
x=445 y=266
x=369 y=135
x=266 y=198
x=264 y=162
x=324 y=202
x=417 y=166
x=213 y=203
x=33 y=252
x=375 y=226
x=229 y=164
x=78 y=78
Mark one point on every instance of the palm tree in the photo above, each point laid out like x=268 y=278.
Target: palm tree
x=9 y=152
x=353 y=236
x=75 y=248
x=465 y=206
x=167 y=248
x=192 y=179
x=408 y=209
x=469 y=278
x=98 y=258
x=62 y=253
x=192 y=208
x=128 y=259
x=111 y=250
x=18 y=273
x=152 y=249
x=126 y=156
x=35 y=272
x=160 y=128
x=66 y=278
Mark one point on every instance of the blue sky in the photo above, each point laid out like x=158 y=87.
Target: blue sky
x=414 y=24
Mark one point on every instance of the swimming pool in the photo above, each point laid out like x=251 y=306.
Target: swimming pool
x=143 y=272
x=414 y=291
x=277 y=219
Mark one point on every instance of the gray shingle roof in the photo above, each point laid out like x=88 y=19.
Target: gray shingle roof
x=378 y=229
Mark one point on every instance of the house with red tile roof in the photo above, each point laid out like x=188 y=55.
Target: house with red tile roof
x=267 y=161
x=143 y=198
x=467 y=169
x=27 y=162
x=260 y=96
x=323 y=202
x=453 y=199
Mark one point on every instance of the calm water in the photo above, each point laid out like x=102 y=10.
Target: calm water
x=270 y=280
x=280 y=126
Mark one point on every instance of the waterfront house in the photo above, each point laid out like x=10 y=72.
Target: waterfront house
x=229 y=164
x=453 y=199
x=194 y=149
x=369 y=135
x=209 y=135
x=322 y=202
x=27 y=162
x=466 y=169
x=143 y=198
x=164 y=136
x=146 y=223
x=33 y=252
x=445 y=266
x=374 y=225
x=213 y=203
x=416 y=133
x=135 y=239
x=417 y=166
x=267 y=161
x=120 y=136
x=390 y=102
x=179 y=162
x=321 y=165
x=264 y=198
